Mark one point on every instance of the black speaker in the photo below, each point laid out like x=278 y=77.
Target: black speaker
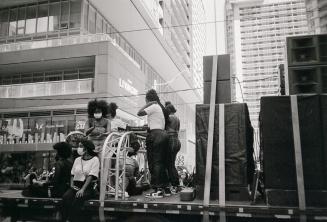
x=238 y=150
x=281 y=70
x=223 y=92
x=278 y=145
x=307 y=64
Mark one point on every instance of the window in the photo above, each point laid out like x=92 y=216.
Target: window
x=54 y=13
x=21 y=21
x=53 y=76
x=42 y=20
x=75 y=14
x=30 y=20
x=99 y=23
x=13 y=22
x=91 y=19
x=4 y=22
x=64 y=15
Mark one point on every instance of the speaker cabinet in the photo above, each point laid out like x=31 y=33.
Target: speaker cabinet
x=223 y=91
x=307 y=63
x=238 y=150
x=278 y=145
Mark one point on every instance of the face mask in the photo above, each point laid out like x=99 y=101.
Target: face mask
x=97 y=115
x=80 y=151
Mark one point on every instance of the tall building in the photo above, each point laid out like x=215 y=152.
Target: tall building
x=56 y=55
x=317 y=16
x=256 y=34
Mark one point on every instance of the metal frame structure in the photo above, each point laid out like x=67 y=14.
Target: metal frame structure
x=113 y=164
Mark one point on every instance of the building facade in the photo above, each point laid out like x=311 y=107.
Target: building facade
x=256 y=34
x=317 y=16
x=56 y=55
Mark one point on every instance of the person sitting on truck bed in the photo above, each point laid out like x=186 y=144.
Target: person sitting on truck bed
x=84 y=172
x=132 y=168
x=156 y=143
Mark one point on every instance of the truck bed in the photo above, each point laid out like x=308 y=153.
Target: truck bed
x=14 y=201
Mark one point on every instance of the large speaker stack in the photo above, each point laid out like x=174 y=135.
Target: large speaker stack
x=239 y=164
x=223 y=89
x=307 y=64
x=277 y=142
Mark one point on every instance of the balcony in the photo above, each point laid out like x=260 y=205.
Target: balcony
x=67 y=87
x=70 y=40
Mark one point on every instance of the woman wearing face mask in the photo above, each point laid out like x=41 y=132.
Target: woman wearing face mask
x=97 y=127
x=83 y=174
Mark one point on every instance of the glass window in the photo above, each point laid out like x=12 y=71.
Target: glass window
x=64 y=15
x=75 y=14
x=80 y=122
x=53 y=76
x=4 y=22
x=91 y=19
x=21 y=21
x=85 y=12
x=38 y=77
x=16 y=79
x=13 y=22
x=85 y=73
x=26 y=78
x=30 y=20
x=99 y=23
x=40 y=130
x=71 y=74
x=54 y=13
x=42 y=20
x=62 y=126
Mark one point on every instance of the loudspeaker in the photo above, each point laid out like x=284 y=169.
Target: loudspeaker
x=238 y=150
x=278 y=145
x=223 y=91
x=307 y=64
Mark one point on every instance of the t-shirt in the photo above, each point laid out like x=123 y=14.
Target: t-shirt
x=84 y=168
x=156 y=118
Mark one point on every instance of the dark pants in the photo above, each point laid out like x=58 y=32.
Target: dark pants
x=156 y=146
x=72 y=206
x=174 y=147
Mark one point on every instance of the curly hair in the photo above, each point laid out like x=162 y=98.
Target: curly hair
x=95 y=104
x=64 y=149
x=112 y=109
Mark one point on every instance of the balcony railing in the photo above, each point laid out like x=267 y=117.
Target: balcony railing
x=77 y=86
x=63 y=41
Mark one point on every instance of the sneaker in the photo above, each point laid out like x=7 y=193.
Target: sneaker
x=167 y=192
x=157 y=193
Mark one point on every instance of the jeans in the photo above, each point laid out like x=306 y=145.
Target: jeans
x=156 y=146
x=174 y=147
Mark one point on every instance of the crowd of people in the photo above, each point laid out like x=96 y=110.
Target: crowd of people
x=76 y=180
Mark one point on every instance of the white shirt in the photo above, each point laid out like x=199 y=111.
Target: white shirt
x=156 y=118
x=84 y=168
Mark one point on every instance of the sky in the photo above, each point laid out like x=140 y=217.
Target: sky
x=209 y=6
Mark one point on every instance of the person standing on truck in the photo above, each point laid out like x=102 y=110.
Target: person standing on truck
x=97 y=127
x=156 y=143
x=174 y=145
x=84 y=175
